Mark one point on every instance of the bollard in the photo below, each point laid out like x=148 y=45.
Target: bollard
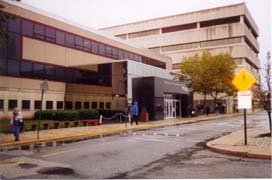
x=100 y=120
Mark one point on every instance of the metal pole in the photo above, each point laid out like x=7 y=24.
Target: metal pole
x=245 y=127
x=40 y=116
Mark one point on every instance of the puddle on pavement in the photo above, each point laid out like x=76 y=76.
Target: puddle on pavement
x=27 y=165
x=56 y=170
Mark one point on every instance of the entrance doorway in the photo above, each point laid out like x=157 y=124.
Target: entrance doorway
x=170 y=106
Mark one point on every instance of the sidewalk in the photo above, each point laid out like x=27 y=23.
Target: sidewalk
x=233 y=144
x=77 y=133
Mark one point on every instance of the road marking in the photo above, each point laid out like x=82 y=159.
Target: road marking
x=155 y=140
x=3 y=164
x=104 y=143
x=60 y=152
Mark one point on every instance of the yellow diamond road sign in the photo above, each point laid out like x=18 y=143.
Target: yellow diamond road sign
x=244 y=80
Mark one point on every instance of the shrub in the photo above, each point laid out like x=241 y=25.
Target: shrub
x=88 y=114
x=63 y=115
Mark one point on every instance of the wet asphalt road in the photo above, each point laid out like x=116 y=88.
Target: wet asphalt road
x=169 y=152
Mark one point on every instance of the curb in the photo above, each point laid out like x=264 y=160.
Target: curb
x=80 y=137
x=237 y=153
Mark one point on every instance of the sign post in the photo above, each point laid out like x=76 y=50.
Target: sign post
x=44 y=88
x=243 y=81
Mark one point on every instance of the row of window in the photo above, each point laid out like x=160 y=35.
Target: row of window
x=59 y=105
x=20 y=26
x=199 y=44
x=183 y=27
x=21 y=68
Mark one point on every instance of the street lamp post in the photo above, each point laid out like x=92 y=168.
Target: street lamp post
x=44 y=88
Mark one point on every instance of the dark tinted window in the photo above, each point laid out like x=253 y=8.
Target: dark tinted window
x=68 y=105
x=114 y=53
x=60 y=76
x=131 y=56
x=70 y=75
x=26 y=69
x=50 y=34
x=3 y=48
x=125 y=55
x=14 y=46
x=25 y=104
x=86 y=105
x=87 y=45
x=14 y=24
x=108 y=105
x=1 y=104
x=60 y=37
x=120 y=54
x=39 y=31
x=78 y=42
x=101 y=105
x=70 y=40
x=37 y=104
x=38 y=70
x=94 y=105
x=13 y=67
x=3 y=66
x=12 y=104
x=49 y=104
x=108 y=51
x=94 y=47
x=27 y=28
x=101 y=49
x=78 y=105
x=59 y=104
x=50 y=72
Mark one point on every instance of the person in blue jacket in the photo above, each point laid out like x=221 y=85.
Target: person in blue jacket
x=134 y=112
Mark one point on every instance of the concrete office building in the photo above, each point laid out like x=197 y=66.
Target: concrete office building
x=85 y=69
x=224 y=29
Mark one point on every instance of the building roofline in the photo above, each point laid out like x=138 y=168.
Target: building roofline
x=170 y=16
x=78 y=25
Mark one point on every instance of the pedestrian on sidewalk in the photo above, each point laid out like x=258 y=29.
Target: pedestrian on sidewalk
x=134 y=112
x=207 y=109
x=16 y=121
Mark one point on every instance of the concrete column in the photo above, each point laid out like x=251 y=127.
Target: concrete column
x=242 y=19
x=198 y=25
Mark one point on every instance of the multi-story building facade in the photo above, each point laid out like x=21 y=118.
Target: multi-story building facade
x=85 y=69
x=224 y=29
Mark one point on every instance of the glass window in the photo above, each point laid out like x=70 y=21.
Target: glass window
x=49 y=104
x=131 y=56
x=78 y=105
x=94 y=47
x=70 y=40
x=37 y=104
x=60 y=37
x=1 y=104
x=101 y=105
x=108 y=51
x=13 y=67
x=94 y=105
x=25 y=104
x=114 y=53
x=120 y=54
x=50 y=72
x=14 y=46
x=50 y=34
x=38 y=71
x=12 y=104
x=26 y=69
x=125 y=55
x=78 y=42
x=59 y=104
x=14 y=25
x=108 y=105
x=70 y=75
x=3 y=66
x=27 y=28
x=39 y=31
x=101 y=49
x=68 y=105
x=3 y=47
x=86 y=105
x=87 y=45
x=60 y=74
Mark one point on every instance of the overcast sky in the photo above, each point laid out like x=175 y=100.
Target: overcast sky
x=104 y=13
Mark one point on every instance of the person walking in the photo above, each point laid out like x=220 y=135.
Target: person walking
x=207 y=110
x=134 y=112
x=16 y=121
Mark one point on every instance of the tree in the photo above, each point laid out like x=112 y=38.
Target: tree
x=210 y=74
x=267 y=94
